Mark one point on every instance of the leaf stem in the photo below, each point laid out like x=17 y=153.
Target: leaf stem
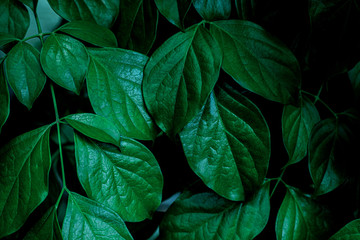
x=316 y=97
x=40 y=35
x=279 y=179
x=39 y=27
x=59 y=198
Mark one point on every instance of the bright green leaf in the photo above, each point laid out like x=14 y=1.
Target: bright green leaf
x=24 y=169
x=174 y=10
x=102 y=12
x=114 y=86
x=180 y=76
x=211 y=10
x=227 y=144
x=65 y=60
x=128 y=180
x=14 y=18
x=354 y=76
x=4 y=98
x=258 y=61
x=87 y=219
x=90 y=32
x=350 y=231
x=302 y=218
x=95 y=126
x=297 y=123
x=6 y=38
x=208 y=216
x=24 y=73
x=32 y=4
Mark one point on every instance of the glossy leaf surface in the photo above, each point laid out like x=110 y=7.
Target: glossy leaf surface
x=114 y=86
x=24 y=169
x=174 y=10
x=180 y=76
x=14 y=18
x=4 y=97
x=6 y=38
x=65 y=60
x=258 y=61
x=128 y=180
x=24 y=73
x=87 y=219
x=350 y=231
x=213 y=9
x=227 y=144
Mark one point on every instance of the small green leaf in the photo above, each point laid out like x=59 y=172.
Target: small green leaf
x=211 y=10
x=4 y=97
x=258 y=61
x=87 y=219
x=208 y=216
x=6 y=38
x=65 y=60
x=354 y=76
x=302 y=218
x=114 y=86
x=32 y=4
x=14 y=18
x=174 y=10
x=102 y=12
x=227 y=144
x=128 y=180
x=90 y=32
x=180 y=76
x=350 y=231
x=95 y=126
x=24 y=169
x=24 y=73
x=297 y=123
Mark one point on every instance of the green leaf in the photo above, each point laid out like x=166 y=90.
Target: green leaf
x=90 y=32
x=258 y=61
x=14 y=18
x=87 y=219
x=297 y=123
x=6 y=38
x=317 y=8
x=102 y=12
x=24 y=169
x=128 y=180
x=245 y=8
x=208 y=216
x=354 y=76
x=137 y=25
x=174 y=10
x=32 y=4
x=65 y=60
x=95 y=126
x=350 y=231
x=24 y=73
x=180 y=76
x=211 y=10
x=302 y=218
x=114 y=86
x=4 y=98
x=227 y=144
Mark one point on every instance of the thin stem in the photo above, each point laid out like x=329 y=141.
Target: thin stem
x=279 y=179
x=318 y=94
x=59 y=198
x=39 y=27
x=322 y=102
x=40 y=35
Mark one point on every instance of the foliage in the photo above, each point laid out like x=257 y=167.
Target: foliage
x=180 y=119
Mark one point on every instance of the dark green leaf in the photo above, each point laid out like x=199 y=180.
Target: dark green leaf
x=317 y=8
x=95 y=126
x=213 y=9
x=4 y=98
x=297 y=123
x=128 y=180
x=302 y=218
x=137 y=25
x=354 y=76
x=174 y=10
x=90 y=32
x=227 y=144
x=65 y=60
x=258 y=61
x=114 y=85
x=87 y=219
x=102 y=12
x=180 y=76
x=208 y=216
x=24 y=169
x=245 y=8
x=24 y=73
x=350 y=231
x=6 y=38
x=32 y=4
x=14 y=18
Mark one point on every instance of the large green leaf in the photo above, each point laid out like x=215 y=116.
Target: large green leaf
x=180 y=76
x=6 y=38
x=297 y=123
x=137 y=25
x=87 y=219
x=24 y=169
x=227 y=144
x=14 y=18
x=174 y=10
x=213 y=9
x=128 y=180
x=4 y=97
x=208 y=216
x=350 y=231
x=102 y=12
x=302 y=218
x=114 y=85
x=258 y=61
x=90 y=32
x=24 y=73
x=65 y=60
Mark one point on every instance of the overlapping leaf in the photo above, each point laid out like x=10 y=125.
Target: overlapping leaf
x=4 y=97
x=128 y=180
x=350 y=231
x=213 y=9
x=6 y=38
x=32 y=4
x=24 y=169
x=174 y=10
x=114 y=85
x=227 y=144
x=14 y=18
x=180 y=76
